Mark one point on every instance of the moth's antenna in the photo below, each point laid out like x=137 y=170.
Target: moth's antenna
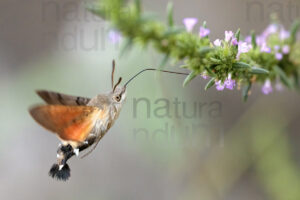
x=112 y=73
x=119 y=81
x=152 y=69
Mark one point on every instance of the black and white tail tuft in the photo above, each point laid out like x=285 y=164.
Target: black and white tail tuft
x=61 y=173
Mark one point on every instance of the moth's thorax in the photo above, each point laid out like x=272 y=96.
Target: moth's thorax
x=110 y=111
x=101 y=101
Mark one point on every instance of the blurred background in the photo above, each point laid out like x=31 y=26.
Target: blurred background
x=169 y=142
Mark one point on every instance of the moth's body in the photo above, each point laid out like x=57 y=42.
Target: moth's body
x=109 y=112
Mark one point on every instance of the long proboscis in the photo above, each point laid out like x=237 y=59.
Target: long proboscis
x=152 y=69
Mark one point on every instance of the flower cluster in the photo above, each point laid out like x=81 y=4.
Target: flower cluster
x=274 y=40
x=270 y=58
x=229 y=39
x=264 y=43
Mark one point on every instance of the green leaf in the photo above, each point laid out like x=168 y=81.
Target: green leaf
x=241 y=65
x=246 y=90
x=210 y=72
x=258 y=70
x=294 y=29
x=204 y=50
x=170 y=14
x=210 y=83
x=285 y=80
x=253 y=39
x=215 y=60
x=173 y=31
x=146 y=17
x=190 y=77
x=237 y=34
x=138 y=7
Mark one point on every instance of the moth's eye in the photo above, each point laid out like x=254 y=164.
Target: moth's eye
x=118 y=98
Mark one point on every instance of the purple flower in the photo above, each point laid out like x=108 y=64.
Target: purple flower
x=234 y=42
x=204 y=32
x=114 y=36
x=217 y=42
x=267 y=87
x=284 y=34
x=220 y=86
x=204 y=75
x=277 y=47
x=229 y=83
x=248 y=39
x=271 y=29
x=279 y=86
x=278 y=56
x=189 y=23
x=264 y=48
x=244 y=47
x=228 y=35
x=260 y=40
x=285 y=49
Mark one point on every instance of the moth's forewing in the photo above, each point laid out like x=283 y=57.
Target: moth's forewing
x=70 y=123
x=55 y=98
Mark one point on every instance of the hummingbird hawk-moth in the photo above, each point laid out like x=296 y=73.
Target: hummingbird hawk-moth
x=80 y=122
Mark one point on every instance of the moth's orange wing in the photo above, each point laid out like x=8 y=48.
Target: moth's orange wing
x=71 y=123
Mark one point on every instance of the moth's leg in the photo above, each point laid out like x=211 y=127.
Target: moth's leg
x=96 y=140
x=87 y=143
